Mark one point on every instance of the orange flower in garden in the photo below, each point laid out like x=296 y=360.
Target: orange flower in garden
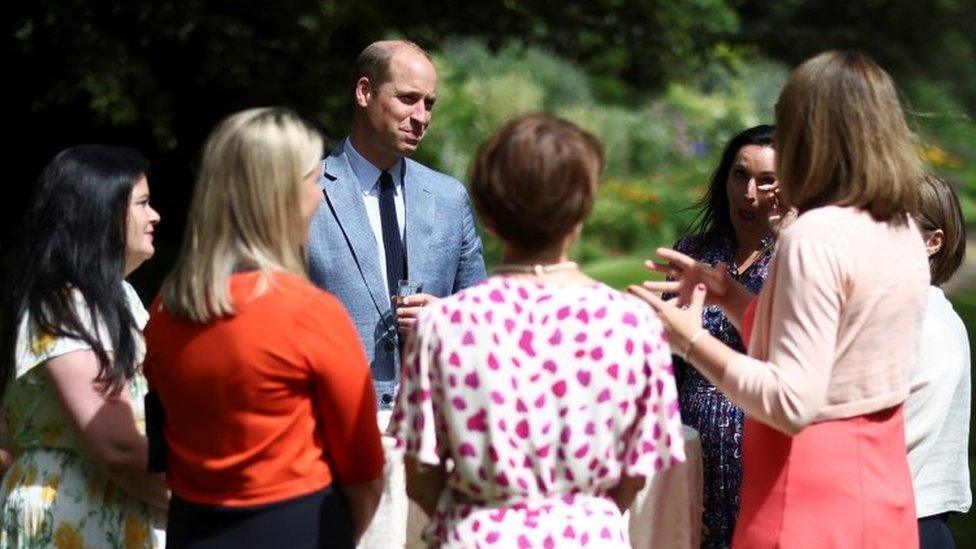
x=936 y=156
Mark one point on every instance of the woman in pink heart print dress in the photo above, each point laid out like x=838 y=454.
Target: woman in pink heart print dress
x=533 y=406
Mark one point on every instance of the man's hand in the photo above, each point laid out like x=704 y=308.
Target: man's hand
x=408 y=308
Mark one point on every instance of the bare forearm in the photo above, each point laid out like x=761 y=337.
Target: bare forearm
x=710 y=356
x=150 y=488
x=625 y=491
x=735 y=304
x=424 y=484
x=126 y=461
x=362 y=500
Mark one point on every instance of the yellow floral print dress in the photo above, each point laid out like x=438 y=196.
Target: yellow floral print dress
x=54 y=494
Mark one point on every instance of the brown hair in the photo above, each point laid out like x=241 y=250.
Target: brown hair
x=535 y=180
x=938 y=208
x=374 y=61
x=842 y=139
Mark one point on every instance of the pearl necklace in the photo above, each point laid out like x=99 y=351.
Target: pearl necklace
x=538 y=269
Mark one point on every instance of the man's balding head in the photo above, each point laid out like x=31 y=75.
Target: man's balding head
x=374 y=61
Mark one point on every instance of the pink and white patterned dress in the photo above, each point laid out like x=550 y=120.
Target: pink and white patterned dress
x=537 y=398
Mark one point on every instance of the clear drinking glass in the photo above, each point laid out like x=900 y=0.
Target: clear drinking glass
x=406 y=288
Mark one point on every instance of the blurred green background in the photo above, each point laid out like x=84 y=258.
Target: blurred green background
x=663 y=83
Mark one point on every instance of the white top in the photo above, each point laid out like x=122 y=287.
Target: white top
x=35 y=348
x=368 y=176
x=937 y=412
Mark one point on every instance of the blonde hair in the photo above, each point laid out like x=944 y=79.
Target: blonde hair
x=842 y=139
x=244 y=214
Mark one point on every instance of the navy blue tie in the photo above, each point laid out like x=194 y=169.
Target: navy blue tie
x=396 y=260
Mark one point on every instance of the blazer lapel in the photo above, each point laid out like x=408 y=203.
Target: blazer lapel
x=342 y=191
x=418 y=205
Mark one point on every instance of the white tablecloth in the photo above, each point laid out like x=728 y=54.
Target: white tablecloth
x=665 y=514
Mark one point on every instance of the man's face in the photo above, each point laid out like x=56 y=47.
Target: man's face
x=398 y=111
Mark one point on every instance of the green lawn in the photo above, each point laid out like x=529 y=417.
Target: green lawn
x=619 y=272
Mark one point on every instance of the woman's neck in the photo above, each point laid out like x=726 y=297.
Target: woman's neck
x=748 y=250
x=547 y=257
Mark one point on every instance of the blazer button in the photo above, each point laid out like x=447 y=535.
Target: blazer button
x=386 y=398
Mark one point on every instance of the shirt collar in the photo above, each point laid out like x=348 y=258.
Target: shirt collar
x=367 y=174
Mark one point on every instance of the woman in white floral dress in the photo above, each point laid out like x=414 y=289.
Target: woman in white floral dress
x=70 y=379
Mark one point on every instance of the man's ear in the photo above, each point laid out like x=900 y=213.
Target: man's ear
x=934 y=242
x=363 y=91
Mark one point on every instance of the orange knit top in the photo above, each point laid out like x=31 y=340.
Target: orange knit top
x=269 y=404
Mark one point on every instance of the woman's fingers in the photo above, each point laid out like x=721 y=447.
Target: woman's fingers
x=662 y=268
x=662 y=286
x=675 y=257
x=650 y=297
x=698 y=298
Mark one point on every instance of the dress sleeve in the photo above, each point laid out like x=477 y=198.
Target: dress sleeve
x=788 y=390
x=35 y=346
x=413 y=423
x=655 y=441
x=345 y=396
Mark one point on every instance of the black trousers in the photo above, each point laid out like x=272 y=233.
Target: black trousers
x=934 y=532
x=319 y=519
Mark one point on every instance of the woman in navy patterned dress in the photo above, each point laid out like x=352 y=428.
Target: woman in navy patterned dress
x=732 y=227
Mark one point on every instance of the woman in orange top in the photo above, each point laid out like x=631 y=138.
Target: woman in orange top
x=260 y=388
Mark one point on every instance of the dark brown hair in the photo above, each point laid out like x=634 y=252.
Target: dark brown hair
x=938 y=208
x=713 y=220
x=535 y=180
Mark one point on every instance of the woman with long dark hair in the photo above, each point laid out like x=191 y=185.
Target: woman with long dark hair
x=71 y=382
x=835 y=327
x=733 y=233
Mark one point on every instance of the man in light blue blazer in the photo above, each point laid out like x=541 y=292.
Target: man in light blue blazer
x=386 y=217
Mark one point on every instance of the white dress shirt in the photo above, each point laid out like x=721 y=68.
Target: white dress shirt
x=368 y=176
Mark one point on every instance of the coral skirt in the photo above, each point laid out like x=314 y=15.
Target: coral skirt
x=840 y=483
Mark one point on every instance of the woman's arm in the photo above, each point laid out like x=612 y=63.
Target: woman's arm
x=424 y=483
x=787 y=390
x=362 y=500
x=106 y=426
x=684 y=273
x=625 y=491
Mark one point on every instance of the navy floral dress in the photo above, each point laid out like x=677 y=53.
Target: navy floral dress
x=718 y=421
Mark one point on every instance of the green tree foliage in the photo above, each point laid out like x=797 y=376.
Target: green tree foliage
x=933 y=40
x=659 y=151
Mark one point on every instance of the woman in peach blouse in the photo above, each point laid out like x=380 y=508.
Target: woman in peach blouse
x=823 y=384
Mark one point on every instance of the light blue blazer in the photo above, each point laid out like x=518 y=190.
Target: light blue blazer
x=442 y=244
